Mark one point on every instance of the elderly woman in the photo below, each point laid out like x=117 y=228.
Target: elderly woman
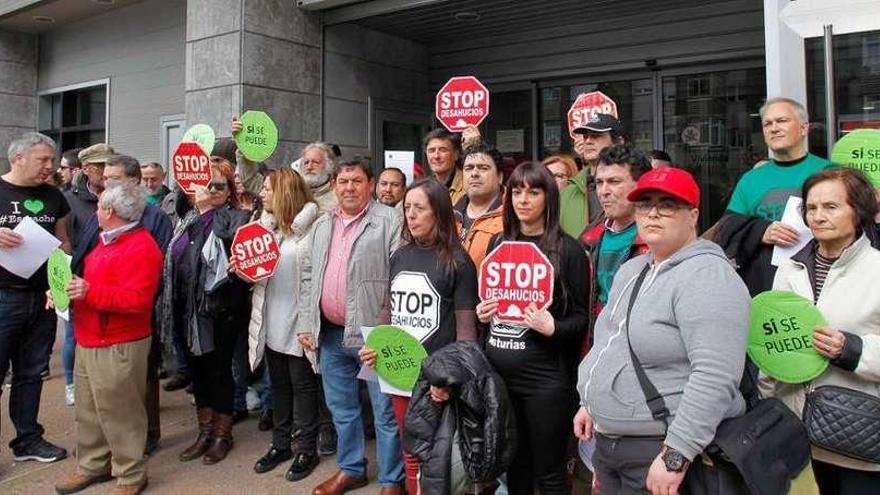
x=838 y=270
x=206 y=307
x=683 y=312
x=112 y=306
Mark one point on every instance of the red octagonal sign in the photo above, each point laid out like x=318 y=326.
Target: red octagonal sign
x=255 y=251
x=588 y=105
x=461 y=103
x=191 y=166
x=516 y=274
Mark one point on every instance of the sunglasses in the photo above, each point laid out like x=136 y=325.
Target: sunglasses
x=217 y=186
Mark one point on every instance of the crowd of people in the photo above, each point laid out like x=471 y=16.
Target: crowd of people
x=618 y=386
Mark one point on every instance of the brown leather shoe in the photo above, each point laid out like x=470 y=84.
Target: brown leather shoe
x=77 y=482
x=338 y=484
x=391 y=490
x=221 y=441
x=205 y=416
x=134 y=489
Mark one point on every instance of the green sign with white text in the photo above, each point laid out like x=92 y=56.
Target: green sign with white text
x=58 y=269
x=201 y=134
x=399 y=356
x=258 y=136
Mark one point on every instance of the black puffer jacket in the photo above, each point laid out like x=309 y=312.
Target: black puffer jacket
x=478 y=409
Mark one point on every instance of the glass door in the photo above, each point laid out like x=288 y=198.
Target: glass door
x=711 y=127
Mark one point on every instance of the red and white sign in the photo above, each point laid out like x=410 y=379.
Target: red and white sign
x=516 y=274
x=461 y=103
x=191 y=166
x=255 y=251
x=586 y=106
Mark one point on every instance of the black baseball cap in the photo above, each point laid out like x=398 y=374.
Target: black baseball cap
x=601 y=122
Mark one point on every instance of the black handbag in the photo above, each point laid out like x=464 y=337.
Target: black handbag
x=767 y=446
x=844 y=421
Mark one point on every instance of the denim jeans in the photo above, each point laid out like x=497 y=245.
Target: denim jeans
x=27 y=332
x=339 y=369
x=67 y=351
x=240 y=372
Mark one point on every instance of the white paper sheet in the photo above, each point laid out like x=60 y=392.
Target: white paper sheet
x=369 y=374
x=36 y=246
x=585 y=450
x=792 y=217
x=404 y=160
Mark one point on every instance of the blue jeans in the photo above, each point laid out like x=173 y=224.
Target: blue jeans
x=27 y=332
x=240 y=372
x=67 y=351
x=339 y=369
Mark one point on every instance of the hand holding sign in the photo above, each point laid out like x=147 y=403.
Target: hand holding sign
x=58 y=270
x=399 y=356
x=516 y=275
x=781 y=328
x=258 y=136
x=255 y=252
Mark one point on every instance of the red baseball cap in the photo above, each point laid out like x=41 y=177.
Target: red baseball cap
x=673 y=181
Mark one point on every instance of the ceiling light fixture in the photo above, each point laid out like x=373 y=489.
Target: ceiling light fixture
x=43 y=19
x=467 y=16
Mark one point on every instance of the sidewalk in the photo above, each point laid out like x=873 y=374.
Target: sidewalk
x=235 y=475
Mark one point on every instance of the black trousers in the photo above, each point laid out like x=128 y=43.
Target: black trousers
x=154 y=430
x=838 y=480
x=212 y=381
x=295 y=401
x=543 y=422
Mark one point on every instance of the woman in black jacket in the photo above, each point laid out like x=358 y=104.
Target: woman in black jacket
x=538 y=360
x=206 y=307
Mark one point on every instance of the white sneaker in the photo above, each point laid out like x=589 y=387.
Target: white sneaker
x=252 y=399
x=69 y=394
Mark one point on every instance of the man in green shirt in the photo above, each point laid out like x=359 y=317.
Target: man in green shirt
x=752 y=225
x=153 y=179
x=579 y=205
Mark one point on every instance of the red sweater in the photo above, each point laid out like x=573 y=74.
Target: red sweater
x=123 y=277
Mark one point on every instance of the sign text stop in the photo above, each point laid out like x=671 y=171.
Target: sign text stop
x=255 y=251
x=191 y=166
x=516 y=274
x=586 y=106
x=461 y=103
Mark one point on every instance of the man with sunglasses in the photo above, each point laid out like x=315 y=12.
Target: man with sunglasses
x=680 y=313
x=69 y=168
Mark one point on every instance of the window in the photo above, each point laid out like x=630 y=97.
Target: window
x=857 y=85
x=75 y=117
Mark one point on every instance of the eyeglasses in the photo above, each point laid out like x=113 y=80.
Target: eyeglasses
x=665 y=207
x=217 y=186
x=560 y=175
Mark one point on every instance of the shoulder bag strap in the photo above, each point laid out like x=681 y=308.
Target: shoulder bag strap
x=655 y=401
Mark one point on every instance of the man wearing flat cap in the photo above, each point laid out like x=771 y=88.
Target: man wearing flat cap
x=83 y=196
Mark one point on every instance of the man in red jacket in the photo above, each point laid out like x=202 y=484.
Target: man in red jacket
x=112 y=307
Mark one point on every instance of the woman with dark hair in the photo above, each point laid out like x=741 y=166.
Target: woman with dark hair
x=205 y=306
x=290 y=211
x=538 y=360
x=430 y=267
x=838 y=264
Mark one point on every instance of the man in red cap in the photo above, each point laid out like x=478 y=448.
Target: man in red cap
x=680 y=315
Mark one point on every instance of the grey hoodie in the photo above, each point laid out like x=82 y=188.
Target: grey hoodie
x=689 y=329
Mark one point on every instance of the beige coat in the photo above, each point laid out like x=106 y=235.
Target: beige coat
x=850 y=302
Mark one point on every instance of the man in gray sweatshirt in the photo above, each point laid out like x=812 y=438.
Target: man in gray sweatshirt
x=688 y=328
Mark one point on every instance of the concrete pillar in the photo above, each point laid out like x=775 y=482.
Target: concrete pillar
x=18 y=87
x=247 y=55
x=784 y=55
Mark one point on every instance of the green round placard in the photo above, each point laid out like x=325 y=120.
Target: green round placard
x=860 y=149
x=201 y=134
x=58 y=269
x=258 y=136
x=400 y=356
x=781 y=327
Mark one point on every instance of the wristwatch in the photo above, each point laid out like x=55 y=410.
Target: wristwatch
x=675 y=461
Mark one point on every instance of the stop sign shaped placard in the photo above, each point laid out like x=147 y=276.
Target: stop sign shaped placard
x=191 y=166
x=255 y=251
x=461 y=103
x=516 y=274
x=586 y=106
